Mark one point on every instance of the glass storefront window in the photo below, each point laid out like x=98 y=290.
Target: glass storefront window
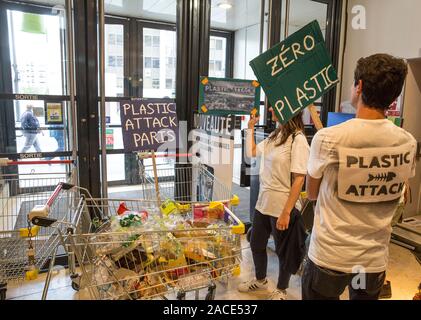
x=217 y=57
x=146 y=70
x=243 y=19
x=114 y=60
x=35 y=64
x=36 y=51
x=159 y=63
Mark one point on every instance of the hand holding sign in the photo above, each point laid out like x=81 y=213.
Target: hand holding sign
x=253 y=121
x=296 y=72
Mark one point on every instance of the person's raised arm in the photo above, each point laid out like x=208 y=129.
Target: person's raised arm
x=250 y=141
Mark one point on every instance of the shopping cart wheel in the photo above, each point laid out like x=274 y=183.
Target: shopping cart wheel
x=211 y=292
x=75 y=286
x=3 y=289
x=181 y=295
x=248 y=236
x=75 y=281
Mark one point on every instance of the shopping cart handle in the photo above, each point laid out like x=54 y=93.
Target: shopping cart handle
x=67 y=186
x=4 y=162
x=39 y=211
x=43 y=222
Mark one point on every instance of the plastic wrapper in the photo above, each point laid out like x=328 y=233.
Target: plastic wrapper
x=149 y=252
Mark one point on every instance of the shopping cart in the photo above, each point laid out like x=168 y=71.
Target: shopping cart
x=147 y=253
x=36 y=211
x=189 y=182
x=185 y=239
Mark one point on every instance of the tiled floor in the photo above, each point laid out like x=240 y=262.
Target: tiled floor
x=404 y=272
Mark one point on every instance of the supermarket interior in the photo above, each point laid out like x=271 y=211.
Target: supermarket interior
x=210 y=150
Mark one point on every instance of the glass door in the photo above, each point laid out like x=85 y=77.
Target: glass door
x=35 y=107
x=140 y=62
x=116 y=87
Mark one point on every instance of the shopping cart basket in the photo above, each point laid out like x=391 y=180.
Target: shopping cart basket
x=189 y=182
x=159 y=255
x=25 y=245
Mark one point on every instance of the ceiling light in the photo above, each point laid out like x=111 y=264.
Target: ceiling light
x=225 y=5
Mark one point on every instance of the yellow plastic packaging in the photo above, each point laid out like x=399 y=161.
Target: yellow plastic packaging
x=169 y=207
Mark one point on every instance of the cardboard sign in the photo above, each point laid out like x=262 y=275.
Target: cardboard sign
x=53 y=113
x=213 y=146
x=374 y=174
x=148 y=124
x=228 y=96
x=296 y=72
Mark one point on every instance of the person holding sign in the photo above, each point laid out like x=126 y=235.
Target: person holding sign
x=357 y=171
x=284 y=157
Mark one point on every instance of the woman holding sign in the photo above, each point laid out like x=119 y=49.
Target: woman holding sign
x=284 y=156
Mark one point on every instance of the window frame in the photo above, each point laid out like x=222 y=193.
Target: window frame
x=229 y=55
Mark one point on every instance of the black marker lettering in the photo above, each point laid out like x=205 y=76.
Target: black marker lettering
x=351 y=160
x=352 y=189
x=407 y=159
x=363 y=188
x=373 y=190
x=395 y=158
x=362 y=166
x=383 y=190
x=386 y=162
x=375 y=163
x=394 y=186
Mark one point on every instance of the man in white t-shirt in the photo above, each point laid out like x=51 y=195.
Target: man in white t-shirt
x=356 y=172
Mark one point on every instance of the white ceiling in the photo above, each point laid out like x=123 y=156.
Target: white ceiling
x=243 y=13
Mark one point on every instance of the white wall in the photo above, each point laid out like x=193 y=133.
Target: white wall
x=246 y=49
x=393 y=26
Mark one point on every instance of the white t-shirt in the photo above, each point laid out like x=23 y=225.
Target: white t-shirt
x=362 y=163
x=275 y=171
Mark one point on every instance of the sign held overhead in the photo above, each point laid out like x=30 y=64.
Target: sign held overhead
x=296 y=72
x=220 y=96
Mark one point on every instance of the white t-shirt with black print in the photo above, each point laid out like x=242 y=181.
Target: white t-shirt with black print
x=276 y=165
x=363 y=165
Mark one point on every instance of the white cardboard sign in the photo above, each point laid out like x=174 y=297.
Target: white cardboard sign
x=374 y=174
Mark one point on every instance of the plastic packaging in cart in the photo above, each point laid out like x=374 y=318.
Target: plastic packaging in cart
x=213 y=211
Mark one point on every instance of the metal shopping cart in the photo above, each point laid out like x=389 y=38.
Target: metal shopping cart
x=147 y=254
x=181 y=237
x=189 y=182
x=36 y=211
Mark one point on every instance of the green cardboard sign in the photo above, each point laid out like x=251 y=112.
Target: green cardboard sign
x=222 y=96
x=296 y=72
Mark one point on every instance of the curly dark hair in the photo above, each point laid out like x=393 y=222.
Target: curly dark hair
x=383 y=77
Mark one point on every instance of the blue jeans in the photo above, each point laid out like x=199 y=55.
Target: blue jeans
x=31 y=140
